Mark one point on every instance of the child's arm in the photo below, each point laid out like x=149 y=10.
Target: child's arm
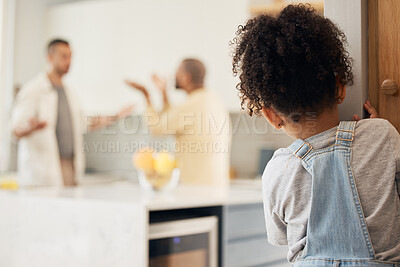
x=276 y=226
x=286 y=195
x=395 y=144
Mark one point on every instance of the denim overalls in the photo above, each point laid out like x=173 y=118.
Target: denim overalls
x=337 y=234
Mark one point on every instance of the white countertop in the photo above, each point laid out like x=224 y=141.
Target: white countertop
x=184 y=196
x=94 y=224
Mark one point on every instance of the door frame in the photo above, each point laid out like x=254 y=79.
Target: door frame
x=352 y=18
x=373 y=54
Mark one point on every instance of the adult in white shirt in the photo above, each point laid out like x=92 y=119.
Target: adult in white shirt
x=49 y=124
x=200 y=125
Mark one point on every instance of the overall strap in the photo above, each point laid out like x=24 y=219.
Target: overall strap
x=344 y=137
x=345 y=133
x=300 y=148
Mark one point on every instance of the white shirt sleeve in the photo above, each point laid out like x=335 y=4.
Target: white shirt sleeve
x=25 y=108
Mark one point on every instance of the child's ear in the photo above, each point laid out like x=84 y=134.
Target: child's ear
x=341 y=91
x=272 y=117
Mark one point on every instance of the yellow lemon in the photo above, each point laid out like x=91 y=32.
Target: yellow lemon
x=160 y=181
x=143 y=159
x=164 y=163
x=9 y=184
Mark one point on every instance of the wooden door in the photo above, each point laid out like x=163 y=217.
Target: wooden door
x=384 y=58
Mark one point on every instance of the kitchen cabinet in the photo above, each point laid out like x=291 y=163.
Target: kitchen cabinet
x=109 y=225
x=384 y=58
x=245 y=238
x=242 y=235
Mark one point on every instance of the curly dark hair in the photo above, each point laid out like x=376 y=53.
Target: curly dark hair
x=290 y=62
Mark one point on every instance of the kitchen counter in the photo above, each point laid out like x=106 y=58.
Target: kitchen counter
x=131 y=193
x=96 y=224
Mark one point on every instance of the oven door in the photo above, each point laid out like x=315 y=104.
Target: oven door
x=191 y=242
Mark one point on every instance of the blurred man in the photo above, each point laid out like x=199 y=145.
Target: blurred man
x=200 y=125
x=49 y=125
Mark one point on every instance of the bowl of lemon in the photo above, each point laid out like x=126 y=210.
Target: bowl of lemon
x=156 y=170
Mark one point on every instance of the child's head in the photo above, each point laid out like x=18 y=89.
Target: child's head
x=294 y=63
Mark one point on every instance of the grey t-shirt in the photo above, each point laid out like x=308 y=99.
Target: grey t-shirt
x=64 y=131
x=376 y=168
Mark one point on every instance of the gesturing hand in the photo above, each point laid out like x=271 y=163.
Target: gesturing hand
x=138 y=87
x=124 y=112
x=161 y=83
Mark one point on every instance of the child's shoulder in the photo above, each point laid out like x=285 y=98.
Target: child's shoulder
x=377 y=135
x=282 y=163
x=281 y=160
x=376 y=122
x=374 y=127
x=283 y=173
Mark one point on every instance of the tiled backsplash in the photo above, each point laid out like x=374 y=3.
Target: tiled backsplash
x=111 y=149
x=250 y=136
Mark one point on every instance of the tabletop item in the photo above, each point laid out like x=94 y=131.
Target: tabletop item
x=8 y=184
x=156 y=170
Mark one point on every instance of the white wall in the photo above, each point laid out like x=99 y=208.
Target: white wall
x=116 y=40
x=1 y=59
x=30 y=37
x=6 y=62
x=29 y=42
x=2 y=91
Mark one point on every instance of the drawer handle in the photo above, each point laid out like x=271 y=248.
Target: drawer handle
x=389 y=87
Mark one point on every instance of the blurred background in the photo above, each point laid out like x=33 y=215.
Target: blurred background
x=123 y=39
x=113 y=221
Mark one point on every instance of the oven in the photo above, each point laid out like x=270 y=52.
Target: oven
x=183 y=243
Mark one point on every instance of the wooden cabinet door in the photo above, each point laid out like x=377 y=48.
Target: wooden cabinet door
x=384 y=58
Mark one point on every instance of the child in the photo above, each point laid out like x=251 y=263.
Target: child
x=333 y=195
